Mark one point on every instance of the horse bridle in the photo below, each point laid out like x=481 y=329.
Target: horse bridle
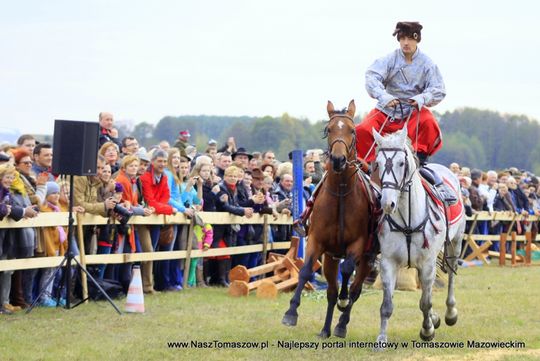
x=407 y=229
x=389 y=169
x=349 y=147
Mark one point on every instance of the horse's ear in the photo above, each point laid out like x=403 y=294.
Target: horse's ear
x=330 y=108
x=351 y=109
x=378 y=138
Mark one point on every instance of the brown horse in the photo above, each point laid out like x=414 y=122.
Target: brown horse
x=339 y=225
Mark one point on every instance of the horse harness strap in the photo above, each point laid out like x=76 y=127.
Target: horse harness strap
x=350 y=147
x=389 y=169
x=341 y=194
x=407 y=230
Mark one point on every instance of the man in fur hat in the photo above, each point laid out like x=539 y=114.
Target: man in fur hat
x=405 y=82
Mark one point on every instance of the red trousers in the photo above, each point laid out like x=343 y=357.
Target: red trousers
x=429 y=134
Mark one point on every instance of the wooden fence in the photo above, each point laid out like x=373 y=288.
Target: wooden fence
x=61 y=219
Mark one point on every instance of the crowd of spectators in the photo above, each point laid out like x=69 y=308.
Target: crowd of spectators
x=509 y=190
x=133 y=181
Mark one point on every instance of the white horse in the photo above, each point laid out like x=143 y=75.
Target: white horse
x=413 y=229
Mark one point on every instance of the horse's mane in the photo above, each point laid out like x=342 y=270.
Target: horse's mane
x=342 y=111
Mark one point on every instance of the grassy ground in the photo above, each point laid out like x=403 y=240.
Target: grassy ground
x=494 y=305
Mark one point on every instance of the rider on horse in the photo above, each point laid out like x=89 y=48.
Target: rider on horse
x=405 y=83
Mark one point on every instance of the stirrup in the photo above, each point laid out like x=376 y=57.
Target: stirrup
x=446 y=196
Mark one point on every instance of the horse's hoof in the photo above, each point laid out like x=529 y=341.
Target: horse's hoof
x=436 y=320
x=427 y=337
x=378 y=345
x=340 y=332
x=451 y=316
x=289 y=320
x=451 y=321
x=324 y=334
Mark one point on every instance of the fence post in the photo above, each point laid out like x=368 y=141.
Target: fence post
x=513 y=249
x=502 y=249
x=528 y=249
x=82 y=255
x=265 y=239
x=189 y=247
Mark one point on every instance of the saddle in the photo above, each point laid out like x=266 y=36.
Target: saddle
x=453 y=212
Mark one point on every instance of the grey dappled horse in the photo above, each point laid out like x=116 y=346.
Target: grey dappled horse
x=413 y=230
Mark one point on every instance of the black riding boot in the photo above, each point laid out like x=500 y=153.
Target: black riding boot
x=432 y=177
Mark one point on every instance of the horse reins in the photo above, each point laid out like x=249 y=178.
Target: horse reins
x=393 y=119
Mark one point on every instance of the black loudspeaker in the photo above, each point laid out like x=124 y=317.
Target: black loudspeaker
x=75 y=147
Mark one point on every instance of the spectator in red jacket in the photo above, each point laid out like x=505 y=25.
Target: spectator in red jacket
x=156 y=193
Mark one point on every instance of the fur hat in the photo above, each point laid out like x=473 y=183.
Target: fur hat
x=408 y=28
x=52 y=187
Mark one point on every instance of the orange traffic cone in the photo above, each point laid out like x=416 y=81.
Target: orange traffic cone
x=135 y=297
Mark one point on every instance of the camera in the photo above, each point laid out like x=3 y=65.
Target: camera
x=124 y=214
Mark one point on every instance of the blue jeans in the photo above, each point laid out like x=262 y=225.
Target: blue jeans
x=102 y=267
x=167 y=272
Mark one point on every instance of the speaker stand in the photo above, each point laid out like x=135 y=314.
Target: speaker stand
x=66 y=265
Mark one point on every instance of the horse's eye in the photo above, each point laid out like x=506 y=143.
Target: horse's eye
x=401 y=164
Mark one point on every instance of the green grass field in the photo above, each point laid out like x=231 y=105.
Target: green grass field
x=495 y=304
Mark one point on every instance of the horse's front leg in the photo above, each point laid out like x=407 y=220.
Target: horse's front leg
x=347 y=269
x=427 y=277
x=330 y=269
x=312 y=254
x=388 y=276
x=356 y=289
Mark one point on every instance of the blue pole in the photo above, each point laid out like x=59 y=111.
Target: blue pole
x=298 y=191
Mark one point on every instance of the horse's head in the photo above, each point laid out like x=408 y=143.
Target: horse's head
x=395 y=163
x=341 y=135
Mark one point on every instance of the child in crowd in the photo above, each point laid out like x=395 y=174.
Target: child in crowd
x=203 y=232
x=53 y=242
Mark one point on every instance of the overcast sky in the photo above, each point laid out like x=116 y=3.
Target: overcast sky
x=143 y=60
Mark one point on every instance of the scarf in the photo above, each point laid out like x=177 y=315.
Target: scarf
x=61 y=230
x=231 y=187
x=18 y=185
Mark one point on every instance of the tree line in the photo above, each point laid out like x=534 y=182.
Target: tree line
x=476 y=138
